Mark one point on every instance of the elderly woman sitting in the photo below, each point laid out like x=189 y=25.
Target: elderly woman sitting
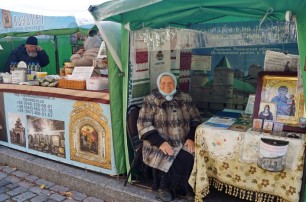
x=166 y=124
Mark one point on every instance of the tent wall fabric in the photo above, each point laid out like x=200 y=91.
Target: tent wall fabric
x=117 y=44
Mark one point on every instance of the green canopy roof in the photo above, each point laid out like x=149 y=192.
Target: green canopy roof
x=183 y=13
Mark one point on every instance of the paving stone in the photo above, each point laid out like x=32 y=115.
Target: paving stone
x=39 y=191
x=24 y=196
x=40 y=198
x=3 y=175
x=13 y=179
x=47 y=184
x=25 y=184
x=2 y=190
x=4 y=183
x=25 y=187
x=69 y=200
x=19 y=186
x=51 y=200
x=17 y=191
x=92 y=199
x=8 y=169
x=58 y=188
x=19 y=173
x=4 y=197
x=57 y=197
x=31 y=178
x=78 y=195
x=11 y=186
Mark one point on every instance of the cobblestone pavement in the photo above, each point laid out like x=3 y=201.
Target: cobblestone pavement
x=19 y=186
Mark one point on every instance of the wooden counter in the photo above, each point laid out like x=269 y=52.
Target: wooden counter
x=81 y=95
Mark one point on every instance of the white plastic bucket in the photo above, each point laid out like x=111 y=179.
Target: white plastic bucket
x=19 y=75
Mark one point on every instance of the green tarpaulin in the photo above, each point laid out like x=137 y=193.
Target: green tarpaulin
x=137 y=14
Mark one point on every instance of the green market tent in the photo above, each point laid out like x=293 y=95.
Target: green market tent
x=56 y=29
x=137 y=14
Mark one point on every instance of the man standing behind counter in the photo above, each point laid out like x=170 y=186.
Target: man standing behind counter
x=29 y=52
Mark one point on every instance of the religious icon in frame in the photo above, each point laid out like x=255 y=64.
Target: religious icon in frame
x=278 y=126
x=281 y=89
x=250 y=104
x=7 y=19
x=267 y=111
x=239 y=127
x=267 y=125
x=257 y=124
x=89 y=135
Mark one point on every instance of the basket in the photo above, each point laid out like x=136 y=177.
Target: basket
x=72 y=84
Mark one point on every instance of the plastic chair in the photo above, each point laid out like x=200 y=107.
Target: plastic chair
x=132 y=132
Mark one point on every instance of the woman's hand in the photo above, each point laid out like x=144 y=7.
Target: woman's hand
x=166 y=149
x=81 y=51
x=190 y=145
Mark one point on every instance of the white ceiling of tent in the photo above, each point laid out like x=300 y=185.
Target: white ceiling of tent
x=79 y=9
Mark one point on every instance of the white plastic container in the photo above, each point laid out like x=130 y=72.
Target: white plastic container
x=7 y=78
x=97 y=83
x=19 y=75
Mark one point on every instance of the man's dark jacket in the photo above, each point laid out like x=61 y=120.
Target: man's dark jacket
x=20 y=54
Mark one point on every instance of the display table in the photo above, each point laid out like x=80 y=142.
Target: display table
x=65 y=125
x=227 y=160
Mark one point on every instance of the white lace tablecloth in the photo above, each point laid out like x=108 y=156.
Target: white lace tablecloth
x=223 y=144
x=227 y=160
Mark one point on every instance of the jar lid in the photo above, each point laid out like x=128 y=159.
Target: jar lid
x=69 y=64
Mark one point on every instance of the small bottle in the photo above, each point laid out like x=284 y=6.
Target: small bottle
x=12 y=67
x=33 y=67
x=29 y=68
x=37 y=67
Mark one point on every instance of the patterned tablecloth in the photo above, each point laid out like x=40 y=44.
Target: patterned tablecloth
x=226 y=160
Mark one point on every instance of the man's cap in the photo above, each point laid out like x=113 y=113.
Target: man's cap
x=32 y=40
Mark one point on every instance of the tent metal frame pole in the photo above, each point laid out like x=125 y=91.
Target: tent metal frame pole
x=56 y=54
